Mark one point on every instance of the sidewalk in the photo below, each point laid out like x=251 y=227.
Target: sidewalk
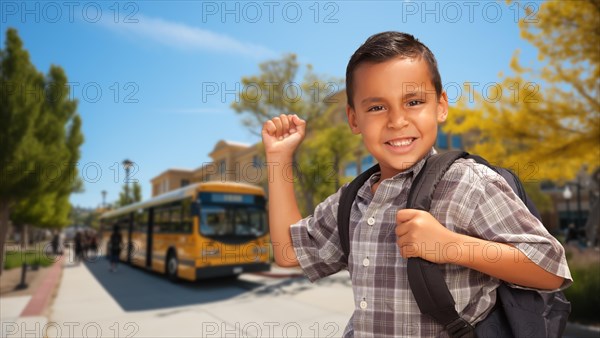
x=274 y=307
x=274 y=304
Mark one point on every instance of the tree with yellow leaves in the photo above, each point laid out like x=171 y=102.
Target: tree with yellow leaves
x=546 y=124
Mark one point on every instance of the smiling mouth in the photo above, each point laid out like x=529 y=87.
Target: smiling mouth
x=401 y=143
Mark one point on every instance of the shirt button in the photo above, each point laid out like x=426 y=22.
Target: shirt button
x=366 y=262
x=363 y=305
x=371 y=221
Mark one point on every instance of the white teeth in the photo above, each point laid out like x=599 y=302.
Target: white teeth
x=401 y=143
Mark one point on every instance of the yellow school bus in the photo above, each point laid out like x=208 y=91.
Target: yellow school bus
x=203 y=230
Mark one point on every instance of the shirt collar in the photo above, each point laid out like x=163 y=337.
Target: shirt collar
x=413 y=171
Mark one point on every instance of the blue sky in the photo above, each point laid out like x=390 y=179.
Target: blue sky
x=141 y=70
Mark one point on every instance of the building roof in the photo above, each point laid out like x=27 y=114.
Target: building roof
x=228 y=144
x=172 y=170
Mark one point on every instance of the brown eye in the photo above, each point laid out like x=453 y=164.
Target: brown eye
x=414 y=103
x=375 y=108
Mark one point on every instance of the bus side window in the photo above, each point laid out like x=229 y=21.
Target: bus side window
x=186 y=217
x=176 y=225
x=161 y=220
x=167 y=223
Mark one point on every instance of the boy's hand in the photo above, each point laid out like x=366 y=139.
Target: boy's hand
x=283 y=134
x=419 y=234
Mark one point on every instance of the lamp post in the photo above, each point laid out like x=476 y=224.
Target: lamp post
x=567 y=195
x=127 y=164
x=583 y=183
x=103 y=192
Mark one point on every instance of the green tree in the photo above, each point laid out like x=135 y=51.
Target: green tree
x=135 y=195
x=545 y=124
x=40 y=136
x=50 y=208
x=278 y=89
x=328 y=148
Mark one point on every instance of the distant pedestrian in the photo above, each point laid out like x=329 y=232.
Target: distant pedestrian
x=55 y=242
x=571 y=233
x=93 y=244
x=115 y=245
x=78 y=247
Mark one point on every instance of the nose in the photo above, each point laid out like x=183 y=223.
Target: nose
x=397 y=119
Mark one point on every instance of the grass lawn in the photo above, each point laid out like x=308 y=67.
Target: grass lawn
x=14 y=259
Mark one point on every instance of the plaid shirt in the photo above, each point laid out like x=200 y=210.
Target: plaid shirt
x=471 y=199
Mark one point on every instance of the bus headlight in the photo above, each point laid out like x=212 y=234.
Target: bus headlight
x=210 y=252
x=258 y=250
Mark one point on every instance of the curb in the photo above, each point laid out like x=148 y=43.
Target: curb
x=41 y=298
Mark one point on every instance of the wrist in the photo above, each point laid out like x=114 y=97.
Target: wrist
x=281 y=158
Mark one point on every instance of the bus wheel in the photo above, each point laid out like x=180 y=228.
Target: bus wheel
x=172 y=265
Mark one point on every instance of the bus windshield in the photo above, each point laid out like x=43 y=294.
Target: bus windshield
x=232 y=221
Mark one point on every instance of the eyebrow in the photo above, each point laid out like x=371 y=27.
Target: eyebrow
x=404 y=97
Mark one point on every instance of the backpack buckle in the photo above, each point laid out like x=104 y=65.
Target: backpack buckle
x=460 y=328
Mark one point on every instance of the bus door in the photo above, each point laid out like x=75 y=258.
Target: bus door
x=130 y=246
x=149 y=232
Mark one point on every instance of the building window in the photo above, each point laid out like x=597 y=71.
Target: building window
x=367 y=162
x=456 y=142
x=222 y=167
x=350 y=170
x=442 y=140
x=185 y=182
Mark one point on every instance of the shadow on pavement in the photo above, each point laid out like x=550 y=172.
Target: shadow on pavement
x=137 y=290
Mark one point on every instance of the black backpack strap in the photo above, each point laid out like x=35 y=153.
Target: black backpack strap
x=424 y=184
x=425 y=278
x=434 y=298
x=345 y=207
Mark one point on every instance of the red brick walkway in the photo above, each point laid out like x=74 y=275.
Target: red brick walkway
x=40 y=299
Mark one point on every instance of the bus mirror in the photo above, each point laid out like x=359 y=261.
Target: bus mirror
x=196 y=208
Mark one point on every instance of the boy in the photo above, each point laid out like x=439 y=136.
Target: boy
x=395 y=101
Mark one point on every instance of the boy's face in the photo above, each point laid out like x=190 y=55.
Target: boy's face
x=396 y=111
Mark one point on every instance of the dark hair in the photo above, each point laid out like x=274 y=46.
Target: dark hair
x=385 y=46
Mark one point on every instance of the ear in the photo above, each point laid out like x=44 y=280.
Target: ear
x=351 y=114
x=442 y=108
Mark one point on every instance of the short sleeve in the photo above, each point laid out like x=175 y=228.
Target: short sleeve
x=501 y=216
x=316 y=241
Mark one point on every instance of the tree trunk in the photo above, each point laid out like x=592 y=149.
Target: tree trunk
x=4 y=217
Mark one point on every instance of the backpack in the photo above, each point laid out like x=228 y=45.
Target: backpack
x=517 y=313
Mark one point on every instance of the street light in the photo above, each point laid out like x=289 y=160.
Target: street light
x=127 y=164
x=103 y=199
x=567 y=194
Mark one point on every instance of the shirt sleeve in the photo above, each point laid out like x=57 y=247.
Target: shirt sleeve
x=500 y=216
x=317 y=242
